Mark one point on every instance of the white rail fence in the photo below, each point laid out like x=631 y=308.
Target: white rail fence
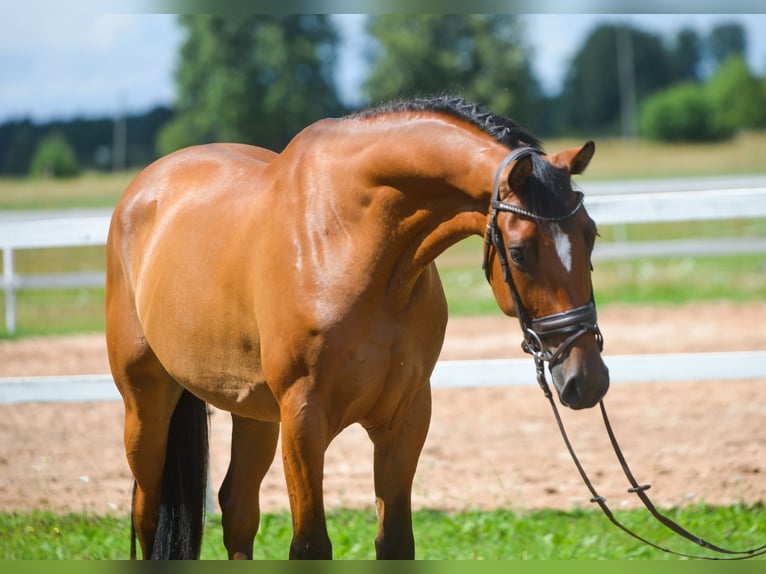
x=605 y=210
x=47 y=233
x=447 y=374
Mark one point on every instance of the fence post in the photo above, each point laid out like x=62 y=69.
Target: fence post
x=10 y=293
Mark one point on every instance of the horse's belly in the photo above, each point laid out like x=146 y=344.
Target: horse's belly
x=245 y=398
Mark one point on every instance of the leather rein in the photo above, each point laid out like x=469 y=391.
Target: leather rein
x=572 y=324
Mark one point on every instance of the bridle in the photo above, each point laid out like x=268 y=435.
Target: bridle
x=572 y=324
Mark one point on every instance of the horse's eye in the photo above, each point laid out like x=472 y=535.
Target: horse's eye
x=517 y=256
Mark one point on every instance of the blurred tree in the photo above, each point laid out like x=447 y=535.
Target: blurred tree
x=590 y=99
x=733 y=99
x=736 y=96
x=90 y=139
x=256 y=78
x=481 y=57
x=680 y=113
x=54 y=158
x=17 y=145
x=726 y=40
x=686 y=56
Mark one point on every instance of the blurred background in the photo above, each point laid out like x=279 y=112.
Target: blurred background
x=117 y=90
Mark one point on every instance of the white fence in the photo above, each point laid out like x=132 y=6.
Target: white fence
x=447 y=374
x=47 y=233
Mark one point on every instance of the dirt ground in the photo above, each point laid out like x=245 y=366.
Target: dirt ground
x=487 y=448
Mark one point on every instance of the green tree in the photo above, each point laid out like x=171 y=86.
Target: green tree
x=737 y=96
x=685 y=56
x=54 y=157
x=725 y=41
x=590 y=99
x=682 y=112
x=252 y=79
x=479 y=56
x=17 y=145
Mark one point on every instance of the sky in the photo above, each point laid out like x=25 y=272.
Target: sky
x=61 y=65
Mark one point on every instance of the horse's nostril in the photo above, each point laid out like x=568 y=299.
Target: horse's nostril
x=582 y=392
x=570 y=394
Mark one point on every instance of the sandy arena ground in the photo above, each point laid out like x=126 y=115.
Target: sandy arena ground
x=487 y=448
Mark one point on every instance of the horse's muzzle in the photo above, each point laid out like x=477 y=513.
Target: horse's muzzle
x=582 y=378
x=571 y=343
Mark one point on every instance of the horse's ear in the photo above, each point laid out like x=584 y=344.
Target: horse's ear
x=575 y=160
x=582 y=158
x=520 y=172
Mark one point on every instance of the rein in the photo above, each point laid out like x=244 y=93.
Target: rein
x=574 y=323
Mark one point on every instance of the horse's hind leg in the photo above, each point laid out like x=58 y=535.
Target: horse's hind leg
x=397 y=449
x=253 y=444
x=150 y=398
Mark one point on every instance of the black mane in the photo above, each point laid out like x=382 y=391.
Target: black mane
x=548 y=190
x=502 y=129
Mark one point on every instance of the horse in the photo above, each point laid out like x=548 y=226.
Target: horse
x=298 y=291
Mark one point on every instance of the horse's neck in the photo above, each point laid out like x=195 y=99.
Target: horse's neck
x=382 y=199
x=441 y=177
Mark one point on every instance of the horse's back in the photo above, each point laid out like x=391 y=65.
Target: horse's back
x=196 y=175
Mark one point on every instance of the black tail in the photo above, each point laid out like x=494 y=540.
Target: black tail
x=182 y=510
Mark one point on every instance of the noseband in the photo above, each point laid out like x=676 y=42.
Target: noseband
x=571 y=323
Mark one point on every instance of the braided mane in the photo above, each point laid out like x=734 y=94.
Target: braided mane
x=502 y=129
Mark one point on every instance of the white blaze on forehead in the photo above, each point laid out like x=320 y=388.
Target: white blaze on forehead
x=563 y=246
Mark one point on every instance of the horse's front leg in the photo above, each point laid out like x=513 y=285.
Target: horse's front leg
x=397 y=449
x=305 y=437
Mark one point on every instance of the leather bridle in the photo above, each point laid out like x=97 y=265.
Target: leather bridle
x=572 y=324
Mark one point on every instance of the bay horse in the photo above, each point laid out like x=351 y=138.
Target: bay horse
x=299 y=291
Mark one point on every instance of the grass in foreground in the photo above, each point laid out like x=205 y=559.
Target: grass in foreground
x=472 y=535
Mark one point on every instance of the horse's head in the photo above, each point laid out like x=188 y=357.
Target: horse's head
x=537 y=260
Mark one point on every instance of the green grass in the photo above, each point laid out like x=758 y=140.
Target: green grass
x=640 y=281
x=59 y=311
x=665 y=280
x=56 y=312
x=620 y=159
x=470 y=535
